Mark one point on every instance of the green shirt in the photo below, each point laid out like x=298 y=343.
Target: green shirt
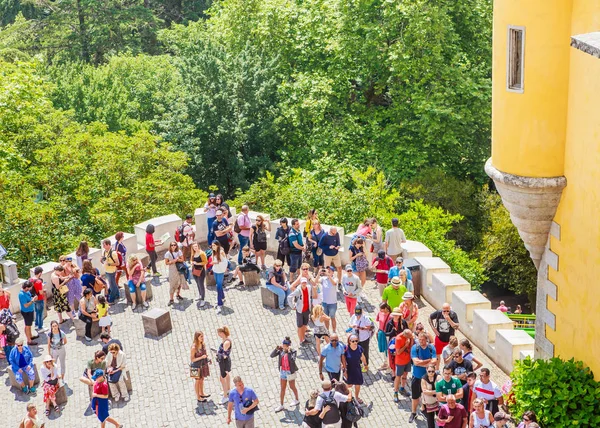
x=393 y=296
x=448 y=388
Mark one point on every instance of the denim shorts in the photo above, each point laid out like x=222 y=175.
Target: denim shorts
x=287 y=375
x=132 y=286
x=295 y=260
x=330 y=309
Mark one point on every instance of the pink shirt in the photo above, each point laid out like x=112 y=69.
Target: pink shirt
x=244 y=221
x=285 y=362
x=502 y=308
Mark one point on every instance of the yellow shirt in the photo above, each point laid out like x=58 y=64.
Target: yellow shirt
x=102 y=311
x=112 y=262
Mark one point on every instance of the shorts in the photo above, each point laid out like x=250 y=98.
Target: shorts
x=260 y=246
x=225 y=367
x=295 y=260
x=28 y=318
x=336 y=260
x=330 y=309
x=132 y=287
x=30 y=374
x=302 y=318
x=287 y=375
x=105 y=321
x=439 y=345
x=400 y=370
x=415 y=388
x=334 y=375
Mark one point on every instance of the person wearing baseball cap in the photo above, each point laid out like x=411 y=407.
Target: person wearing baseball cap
x=100 y=399
x=500 y=419
x=351 y=288
x=381 y=265
x=221 y=230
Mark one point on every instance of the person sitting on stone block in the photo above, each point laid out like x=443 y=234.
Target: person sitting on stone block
x=248 y=265
x=21 y=361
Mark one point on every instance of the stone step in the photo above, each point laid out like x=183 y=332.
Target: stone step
x=525 y=354
x=429 y=266
x=444 y=284
x=465 y=302
x=412 y=249
x=510 y=344
x=485 y=324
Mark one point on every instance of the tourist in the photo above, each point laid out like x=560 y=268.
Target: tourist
x=223 y=206
x=502 y=307
x=222 y=230
x=137 y=279
x=467 y=351
x=301 y=296
x=363 y=328
x=395 y=325
x=444 y=323
x=59 y=293
x=88 y=312
x=328 y=403
x=382 y=318
x=330 y=245
x=245 y=401
x=287 y=371
x=188 y=236
x=174 y=260
x=74 y=283
x=468 y=394
x=27 y=299
x=448 y=351
x=518 y=311
x=351 y=288
x=297 y=247
x=428 y=395
x=332 y=355
x=399 y=267
x=115 y=371
x=199 y=360
x=364 y=230
x=376 y=236
x=277 y=283
x=409 y=309
x=258 y=239
x=480 y=418
x=82 y=253
x=452 y=415
x=247 y=264
x=460 y=367
x=393 y=293
x=198 y=261
x=50 y=377
x=21 y=361
x=448 y=385
x=121 y=250
x=9 y=332
x=100 y=399
x=38 y=289
x=315 y=235
x=219 y=267
x=224 y=360
x=403 y=346
x=106 y=340
x=98 y=362
x=528 y=419
x=320 y=321
x=329 y=295
x=420 y=328
x=422 y=355
x=31 y=420
x=311 y=217
x=358 y=257
x=104 y=320
x=381 y=265
x=210 y=208
x=407 y=283
x=344 y=389
x=281 y=235
x=56 y=347
x=488 y=391
x=110 y=260
x=245 y=225
x=151 y=248
x=4 y=299
x=352 y=359
x=311 y=420
x=91 y=279
x=501 y=418
x=394 y=238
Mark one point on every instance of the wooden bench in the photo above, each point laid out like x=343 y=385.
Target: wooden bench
x=268 y=298
x=251 y=278
x=80 y=328
x=13 y=379
x=138 y=292
x=157 y=322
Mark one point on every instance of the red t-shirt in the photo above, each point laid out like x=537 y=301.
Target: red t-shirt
x=4 y=302
x=305 y=300
x=149 y=242
x=101 y=388
x=402 y=358
x=38 y=286
x=385 y=264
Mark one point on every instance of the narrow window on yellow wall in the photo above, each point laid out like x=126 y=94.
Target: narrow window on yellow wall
x=515 y=63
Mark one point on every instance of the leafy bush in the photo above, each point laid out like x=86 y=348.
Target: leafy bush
x=562 y=393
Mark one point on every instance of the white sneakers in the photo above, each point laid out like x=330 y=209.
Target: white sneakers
x=146 y=304
x=133 y=306
x=202 y=303
x=294 y=403
x=224 y=400
x=219 y=309
x=279 y=408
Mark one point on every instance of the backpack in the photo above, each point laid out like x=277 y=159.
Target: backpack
x=392 y=347
x=284 y=245
x=179 y=235
x=355 y=412
x=333 y=415
x=261 y=235
x=236 y=226
x=121 y=261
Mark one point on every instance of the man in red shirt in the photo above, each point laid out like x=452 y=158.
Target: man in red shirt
x=300 y=295
x=382 y=264
x=404 y=342
x=452 y=414
x=38 y=288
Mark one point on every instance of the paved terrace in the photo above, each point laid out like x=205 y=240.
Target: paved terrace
x=163 y=393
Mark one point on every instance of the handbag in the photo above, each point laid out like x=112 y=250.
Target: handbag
x=196 y=272
x=63 y=289
x=52 y=382
x=115 y=377
x=99 y=285
x=194 y=371
x=181 y=268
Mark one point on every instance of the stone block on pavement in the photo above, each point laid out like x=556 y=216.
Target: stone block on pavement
x=269 y=299
x=157 y=322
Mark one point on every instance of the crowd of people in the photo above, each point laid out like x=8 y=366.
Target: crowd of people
x=428 y=365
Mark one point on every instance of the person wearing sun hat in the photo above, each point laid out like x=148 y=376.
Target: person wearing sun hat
x=392 y=294
x=394 y=326
x=21 y=361
x=409 y=310
x=50 y=377
x=100 y=399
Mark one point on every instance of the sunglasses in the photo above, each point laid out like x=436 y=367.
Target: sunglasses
x=19 y=346
x=354 y=341
x=430 y=371
x=525 y=420
x=333 y=340
x=445 y=312
x=304 y=268
x=457 y=356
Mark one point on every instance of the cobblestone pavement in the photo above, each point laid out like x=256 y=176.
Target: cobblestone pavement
x=163 y=394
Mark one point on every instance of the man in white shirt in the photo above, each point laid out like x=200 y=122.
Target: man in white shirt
x=363 y=327
x=331 y=419
x=329 y=287
x=488 y=391
x=394 y=238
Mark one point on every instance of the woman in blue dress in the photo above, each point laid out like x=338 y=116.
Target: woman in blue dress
x=100 y=399
x=352 y=358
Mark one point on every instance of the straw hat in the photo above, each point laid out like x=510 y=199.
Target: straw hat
x=48 y=358
x=396 y=281
x=408 y=295
x=396 y=312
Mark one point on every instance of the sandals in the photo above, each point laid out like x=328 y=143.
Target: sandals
x=47 y=412
x=57 y=409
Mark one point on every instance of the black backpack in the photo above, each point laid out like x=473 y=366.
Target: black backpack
x=179 y=235
x=261 y=235
x=355 y=412
x=284 y=244
x=333 y=415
